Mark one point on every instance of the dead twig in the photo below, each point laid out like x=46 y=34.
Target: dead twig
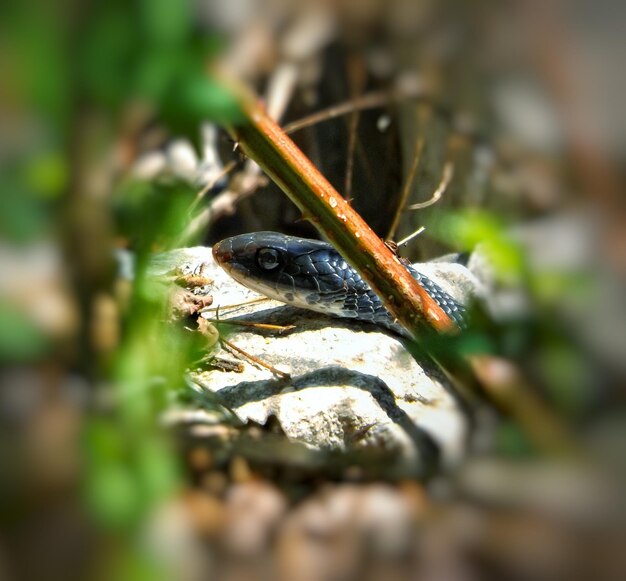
x=224 y=204
x=227 y=344
x=265 y=142
x=446 y=176
x=230 y=166
x=236 y=306
x=419 y=148
x=368 y=101
x=410 y=237
x=262 y=326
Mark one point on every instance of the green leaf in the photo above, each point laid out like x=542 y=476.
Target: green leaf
x=467 y=229
x=196 y=97
x=165 y=23
x=157 y=469
x=22 y=217
x=46 y=174
x=20 y=339
x=113 y=495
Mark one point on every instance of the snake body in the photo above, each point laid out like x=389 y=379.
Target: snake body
x=313 y=275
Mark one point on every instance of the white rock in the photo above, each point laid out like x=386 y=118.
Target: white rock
x=353 y=386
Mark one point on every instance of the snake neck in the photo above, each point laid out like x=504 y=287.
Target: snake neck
x=313 y=275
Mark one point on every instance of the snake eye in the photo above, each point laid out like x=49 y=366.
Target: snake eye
x=268 y=258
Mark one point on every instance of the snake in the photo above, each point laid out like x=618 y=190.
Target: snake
x=313 y=275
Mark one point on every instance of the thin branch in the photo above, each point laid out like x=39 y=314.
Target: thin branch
x=235 y=306
x=356 y=81
x=224 y=204
x=354 y=122
x=410 y=237
x=256 y=360
x=262 y=326
x=230 y=166
x=448 y=171
x=368 y=101
x=419 y=148
x=265 y=142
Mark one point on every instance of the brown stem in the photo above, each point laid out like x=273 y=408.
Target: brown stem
x=267 y=144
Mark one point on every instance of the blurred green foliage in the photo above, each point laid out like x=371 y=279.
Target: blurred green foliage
x=538 y=339
x=152 y=215
x=124 y=483
x=24 y=216
x=20 y=339
x=72 y=72
x=98 y=59
x=511 y=441
x=465 y=230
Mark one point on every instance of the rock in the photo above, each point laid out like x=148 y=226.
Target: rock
x=351 y=387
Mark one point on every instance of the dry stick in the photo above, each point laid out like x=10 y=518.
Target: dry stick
x=419 y=148
x=265 y=142
x=367 y=101
x=223 y=204
x=234 y=306
x=263 y=326
x=356 y=81
x=353 y=124
x=410 y=237
x=230 y=166
x=274 y=370
x=448 y=170
x=202 y=220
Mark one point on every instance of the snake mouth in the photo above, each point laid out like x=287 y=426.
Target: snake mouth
x=226 y=257
x=222 y=254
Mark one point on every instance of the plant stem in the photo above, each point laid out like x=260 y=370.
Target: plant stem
x=265 y=142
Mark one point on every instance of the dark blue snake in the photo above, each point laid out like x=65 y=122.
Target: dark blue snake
x=311 y=274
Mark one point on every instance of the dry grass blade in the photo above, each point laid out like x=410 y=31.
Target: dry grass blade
x=256 y=360
x=261 y=326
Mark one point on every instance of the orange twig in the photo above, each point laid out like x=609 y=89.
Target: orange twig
x=267 y=144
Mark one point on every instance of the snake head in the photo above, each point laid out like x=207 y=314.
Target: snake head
x=247 y=257
x=306 y=273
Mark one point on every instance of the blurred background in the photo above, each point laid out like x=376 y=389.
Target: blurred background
x=502 y=121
